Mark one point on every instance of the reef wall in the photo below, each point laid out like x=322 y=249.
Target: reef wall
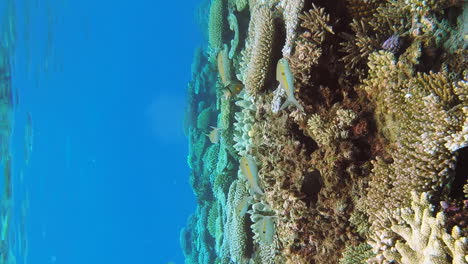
x=329 y=132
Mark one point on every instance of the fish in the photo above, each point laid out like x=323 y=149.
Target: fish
x=214 y=135
x=232 y=89
x=267 y=229
x=243 y=205
x=286 y=79
x=249 y=170
x=224 y=67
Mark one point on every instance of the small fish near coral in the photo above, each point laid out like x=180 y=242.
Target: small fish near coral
x=214 y=135
x=249 y=170
x=232 y=89
x=224 y=67
x=286 y=79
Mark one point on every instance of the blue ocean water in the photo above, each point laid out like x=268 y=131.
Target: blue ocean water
x=104 y=84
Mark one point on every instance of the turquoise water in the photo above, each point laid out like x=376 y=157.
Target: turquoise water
x=99 y=171
x=233 y=131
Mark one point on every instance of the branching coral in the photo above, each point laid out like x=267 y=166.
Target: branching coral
x=385 y=114
x=359 y=45
x=356 y=254
x=417 y=114
x=308 y=46
x=424 y=237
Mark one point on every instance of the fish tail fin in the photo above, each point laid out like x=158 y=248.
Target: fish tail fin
x=298 y=105
x=292 y=101
x=285 y=104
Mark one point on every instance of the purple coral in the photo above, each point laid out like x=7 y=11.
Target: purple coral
x=392 y=44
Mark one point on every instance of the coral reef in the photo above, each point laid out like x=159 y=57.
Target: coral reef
x=368 y=168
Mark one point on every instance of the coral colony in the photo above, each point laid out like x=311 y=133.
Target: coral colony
x=342 y=133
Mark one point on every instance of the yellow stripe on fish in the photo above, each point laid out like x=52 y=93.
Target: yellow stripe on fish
x=223 y=66
x=283 y=75
x=286 y=79
x=249 y=170
x=264 y=228
x=243 y=205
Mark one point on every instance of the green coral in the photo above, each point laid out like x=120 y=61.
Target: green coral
x=216 y=24
x=357 y=254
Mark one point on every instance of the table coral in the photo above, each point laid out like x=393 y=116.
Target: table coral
x=235 y=244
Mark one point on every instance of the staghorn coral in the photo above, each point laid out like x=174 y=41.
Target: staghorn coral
x=256 y=56
x=359 y=45
x=424 y=237
x=425 y=102
x=359 y=9
x=308 y=46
